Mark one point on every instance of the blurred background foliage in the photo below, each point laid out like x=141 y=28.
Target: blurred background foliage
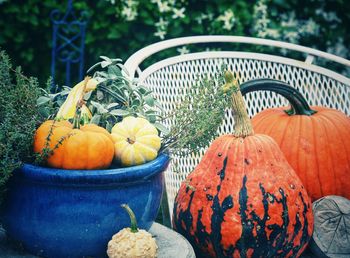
x=118 y=28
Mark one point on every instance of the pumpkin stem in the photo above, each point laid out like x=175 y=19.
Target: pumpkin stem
x=133 y=222
x=131 y=140
x=243 y=126
x=80 y=103
x=299 y=105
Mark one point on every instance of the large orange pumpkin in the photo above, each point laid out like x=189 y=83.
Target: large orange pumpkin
x=90 y=147
x=243 y=199
x=315 y=141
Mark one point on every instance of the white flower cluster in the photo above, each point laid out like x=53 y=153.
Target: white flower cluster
x=309 y=27
x=267 y=24
x=170 y=9
x=294 y=29
x=183 y=50
x=228 y=18
x=328 y=16
x=261 y=26
x=290 y=29
x=161 y=26
x=129 y=9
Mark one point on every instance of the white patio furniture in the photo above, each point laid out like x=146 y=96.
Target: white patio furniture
x=319 y=85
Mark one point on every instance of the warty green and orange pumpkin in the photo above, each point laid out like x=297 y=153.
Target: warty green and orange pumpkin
x=243 y=199
x=315 y=140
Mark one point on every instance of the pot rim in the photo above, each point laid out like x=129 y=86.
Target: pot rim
x=132 y=174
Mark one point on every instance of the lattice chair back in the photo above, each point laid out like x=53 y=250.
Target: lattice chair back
x=169 y=77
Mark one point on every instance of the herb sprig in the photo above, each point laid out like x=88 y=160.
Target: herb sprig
x=195 y=122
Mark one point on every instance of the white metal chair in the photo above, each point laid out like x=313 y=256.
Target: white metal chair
x=319 y=85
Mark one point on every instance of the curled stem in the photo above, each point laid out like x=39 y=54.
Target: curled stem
x=133 y=222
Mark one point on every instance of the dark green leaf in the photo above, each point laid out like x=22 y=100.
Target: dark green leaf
x=99 y=95
x=149 y=100
x=109 y=126
x=135 y=103
x=44 y=112
x=112 y=69
x=152 y=118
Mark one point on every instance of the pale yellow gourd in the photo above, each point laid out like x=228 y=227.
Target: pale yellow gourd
x=136 y=141
x=132 y=242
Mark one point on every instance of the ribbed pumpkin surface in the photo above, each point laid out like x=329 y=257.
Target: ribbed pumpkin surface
x=244 y=200
x=90 y=147
x=317 y=147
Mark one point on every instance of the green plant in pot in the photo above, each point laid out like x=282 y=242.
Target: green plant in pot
x=19 y=118
x=67 y=204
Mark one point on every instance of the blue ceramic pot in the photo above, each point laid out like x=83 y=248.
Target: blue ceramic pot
x=74 y=213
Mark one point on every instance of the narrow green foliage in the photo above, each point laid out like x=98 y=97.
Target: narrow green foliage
x=196 y=120
x=41 y=158
x=18 y=118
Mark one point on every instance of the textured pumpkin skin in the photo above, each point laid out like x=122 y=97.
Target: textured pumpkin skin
x=317 y=147
x=136 y=141
x=244 y=200
x=90 y=147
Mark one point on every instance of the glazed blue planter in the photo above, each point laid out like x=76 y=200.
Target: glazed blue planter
x=60 y=213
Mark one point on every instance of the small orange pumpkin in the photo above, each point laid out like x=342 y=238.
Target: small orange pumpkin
x=315 y=141
x=90 y=147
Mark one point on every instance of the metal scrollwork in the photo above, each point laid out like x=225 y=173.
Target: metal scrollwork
x=68 y=40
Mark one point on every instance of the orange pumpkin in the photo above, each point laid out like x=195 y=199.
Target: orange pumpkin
x=244 y=199
x=90 y=147
x=315 y=141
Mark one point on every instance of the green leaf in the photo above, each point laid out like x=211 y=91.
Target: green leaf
x=112 y=69
x=135 y=103
x=149 y=100
x=109 y=126
x=142 y=90
x=152 y=118
x=99 y=95
x=151 y=112
x=162 y=128
x=106 y=58
x=119 y=112
x=95 y=119
x=112 y=105
x=105 y=63
x=44 y=112
x=100 y=108
x=42 y=100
